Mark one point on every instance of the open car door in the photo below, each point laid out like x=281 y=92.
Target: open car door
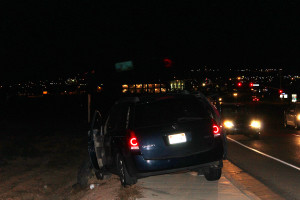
x=96 y=148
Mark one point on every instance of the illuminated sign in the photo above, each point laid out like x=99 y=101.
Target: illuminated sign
x=124 y=66
x=294 y=97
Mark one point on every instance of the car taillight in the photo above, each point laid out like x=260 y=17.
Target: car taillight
x=133 y=142
x=216 y=129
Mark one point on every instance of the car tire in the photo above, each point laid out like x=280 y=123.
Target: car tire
x=125 y=178
x=213 y=174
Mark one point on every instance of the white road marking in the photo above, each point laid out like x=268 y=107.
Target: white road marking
x=259 y=152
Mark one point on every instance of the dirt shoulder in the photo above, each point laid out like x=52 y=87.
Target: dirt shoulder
x=45 y=167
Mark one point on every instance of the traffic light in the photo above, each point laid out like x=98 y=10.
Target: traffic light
x=251 y=84
x=280 y=91
x=240 y=84
x=167 y=62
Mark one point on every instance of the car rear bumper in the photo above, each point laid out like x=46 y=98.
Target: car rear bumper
x=139 y=167
x=215 y=164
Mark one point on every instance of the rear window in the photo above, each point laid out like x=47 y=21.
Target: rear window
x=168 y=111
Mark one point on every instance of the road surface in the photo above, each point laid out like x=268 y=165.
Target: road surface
x=274 y=159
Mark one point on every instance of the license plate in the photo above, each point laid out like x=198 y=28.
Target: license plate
x=177 y=138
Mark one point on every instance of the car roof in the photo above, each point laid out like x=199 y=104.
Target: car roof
x=152 y=97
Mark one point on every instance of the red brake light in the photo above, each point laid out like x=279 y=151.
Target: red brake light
x=133 y=142
x=216 y=129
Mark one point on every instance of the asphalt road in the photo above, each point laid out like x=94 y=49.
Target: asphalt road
x=274 y=159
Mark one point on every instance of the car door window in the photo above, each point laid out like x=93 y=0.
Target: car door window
x=117 y=119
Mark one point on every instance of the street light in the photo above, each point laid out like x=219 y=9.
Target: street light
x=235 y=95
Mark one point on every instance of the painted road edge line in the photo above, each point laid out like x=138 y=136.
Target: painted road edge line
x=261 y=153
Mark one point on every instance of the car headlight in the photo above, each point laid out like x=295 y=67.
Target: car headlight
x=298 y=117
x=255 y=124
x=228 y=124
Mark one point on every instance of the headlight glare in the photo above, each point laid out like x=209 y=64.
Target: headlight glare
x=255 y=124
x=228 y=124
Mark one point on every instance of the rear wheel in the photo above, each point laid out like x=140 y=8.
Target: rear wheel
x=213 y=174
x=125 y=178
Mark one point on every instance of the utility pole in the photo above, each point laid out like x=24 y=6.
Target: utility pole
x=92 y=86
x=280 y=79
x=89 y=108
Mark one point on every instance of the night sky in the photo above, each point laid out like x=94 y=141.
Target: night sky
x=49 y=38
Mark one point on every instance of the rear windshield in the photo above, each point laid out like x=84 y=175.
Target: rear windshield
x=168 y=111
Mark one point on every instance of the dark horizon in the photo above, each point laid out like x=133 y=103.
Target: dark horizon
x=51 y=39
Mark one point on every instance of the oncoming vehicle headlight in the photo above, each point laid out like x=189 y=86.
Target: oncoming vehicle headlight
x=255 y=124
x=298 y=117
x=228 y=124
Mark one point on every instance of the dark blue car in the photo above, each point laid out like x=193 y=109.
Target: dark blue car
x=157 y=134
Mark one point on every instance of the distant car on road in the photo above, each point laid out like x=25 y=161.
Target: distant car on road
x=254 y=98
x=291 y=116
x=157 y=134
x=237 y=119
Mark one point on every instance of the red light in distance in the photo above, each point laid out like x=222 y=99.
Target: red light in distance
x=167 y=62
